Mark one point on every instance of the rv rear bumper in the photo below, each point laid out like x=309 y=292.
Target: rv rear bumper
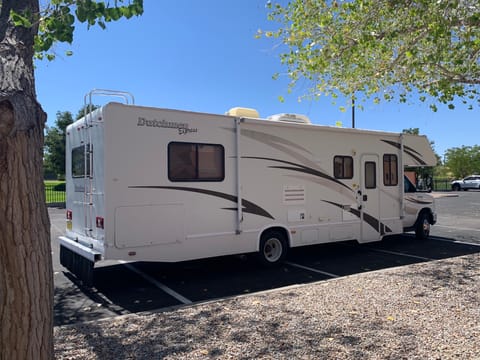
x=78 y=248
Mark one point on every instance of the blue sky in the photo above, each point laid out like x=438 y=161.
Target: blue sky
x=203 y=56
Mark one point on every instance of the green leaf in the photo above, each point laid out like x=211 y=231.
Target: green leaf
x=20 y=20
x=382 y=49
x=57 y=24
x=81 y=14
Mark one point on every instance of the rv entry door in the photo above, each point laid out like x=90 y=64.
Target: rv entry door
x=369 y=198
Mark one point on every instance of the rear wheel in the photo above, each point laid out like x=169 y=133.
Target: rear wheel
x=273 y=248
x=422 y=229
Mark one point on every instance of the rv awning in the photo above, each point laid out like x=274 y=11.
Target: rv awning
x=417 y=151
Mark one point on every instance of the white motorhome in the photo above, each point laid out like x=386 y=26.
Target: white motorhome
x=151 y=184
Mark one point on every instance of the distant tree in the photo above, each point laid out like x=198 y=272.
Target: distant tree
x=55 y=136
x=54 y=155
x=383 y=49
x=463 y=161
x=413 y=131
x=26 y=276
x=85 y=110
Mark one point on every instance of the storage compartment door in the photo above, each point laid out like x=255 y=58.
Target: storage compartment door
x=149 y=225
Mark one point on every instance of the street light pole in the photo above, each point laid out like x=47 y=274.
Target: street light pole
x=353 y=112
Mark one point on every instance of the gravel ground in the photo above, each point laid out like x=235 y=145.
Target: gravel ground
x=422 y=311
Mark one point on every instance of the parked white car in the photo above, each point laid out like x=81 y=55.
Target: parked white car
x=470 y=182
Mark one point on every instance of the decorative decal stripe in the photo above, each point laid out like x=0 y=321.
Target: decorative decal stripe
x=248 y=206
x=416 y=201
x=369 y=219
x=410 y=151
x=299 y=168
x=398 y=146
x=282 y=145
x=272 y=140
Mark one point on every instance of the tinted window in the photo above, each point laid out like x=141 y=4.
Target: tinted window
x=343 y=167
x=195 y=162
x=78 y=162
x=390 y=170
x=370 y=175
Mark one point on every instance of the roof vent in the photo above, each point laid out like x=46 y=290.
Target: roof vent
x=290 y=118
x=243 y=112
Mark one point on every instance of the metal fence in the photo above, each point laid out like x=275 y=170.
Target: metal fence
x=435 y=184
x=55 y=194
x=442 y=184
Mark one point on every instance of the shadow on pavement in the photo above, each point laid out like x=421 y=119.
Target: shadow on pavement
x=118 y=290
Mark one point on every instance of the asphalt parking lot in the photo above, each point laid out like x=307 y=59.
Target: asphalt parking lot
x=122 y=288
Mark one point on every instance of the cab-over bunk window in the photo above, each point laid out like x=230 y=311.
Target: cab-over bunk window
x=196 y=162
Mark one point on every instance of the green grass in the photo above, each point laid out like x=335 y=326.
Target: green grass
x=52 y=195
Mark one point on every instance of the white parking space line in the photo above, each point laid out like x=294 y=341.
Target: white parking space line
x=400 y=254
x=57 y=228
x=311 y=269
x=454 y=241
x=155 y=282
x=456 y=228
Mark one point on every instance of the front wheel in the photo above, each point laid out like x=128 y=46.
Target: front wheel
x=456 y=187
x=273 y=248
x=422 y=229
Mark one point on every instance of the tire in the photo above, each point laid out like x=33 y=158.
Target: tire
x=456 y=187
x=422 y=228
x=273 y=248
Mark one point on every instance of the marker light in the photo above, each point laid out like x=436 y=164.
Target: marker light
x=99 y=222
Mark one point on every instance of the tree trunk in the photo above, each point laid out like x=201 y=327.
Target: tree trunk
x=26 y=278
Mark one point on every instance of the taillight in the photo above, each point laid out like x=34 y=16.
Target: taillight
x=69 y=215
x=99 y=222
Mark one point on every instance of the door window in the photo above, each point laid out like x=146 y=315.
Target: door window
x=370 y=175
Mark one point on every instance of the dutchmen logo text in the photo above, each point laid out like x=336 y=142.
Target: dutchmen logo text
x=183 y=128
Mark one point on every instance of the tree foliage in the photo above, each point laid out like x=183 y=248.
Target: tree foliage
x=56 y=22
x=54 y=158
x=463 y=161
x=385 y=49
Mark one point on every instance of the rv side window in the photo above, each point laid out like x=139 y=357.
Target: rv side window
x=370 y=175
x=390 y=170
x=343 y=167
x=78 y=162
x=196 y=162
